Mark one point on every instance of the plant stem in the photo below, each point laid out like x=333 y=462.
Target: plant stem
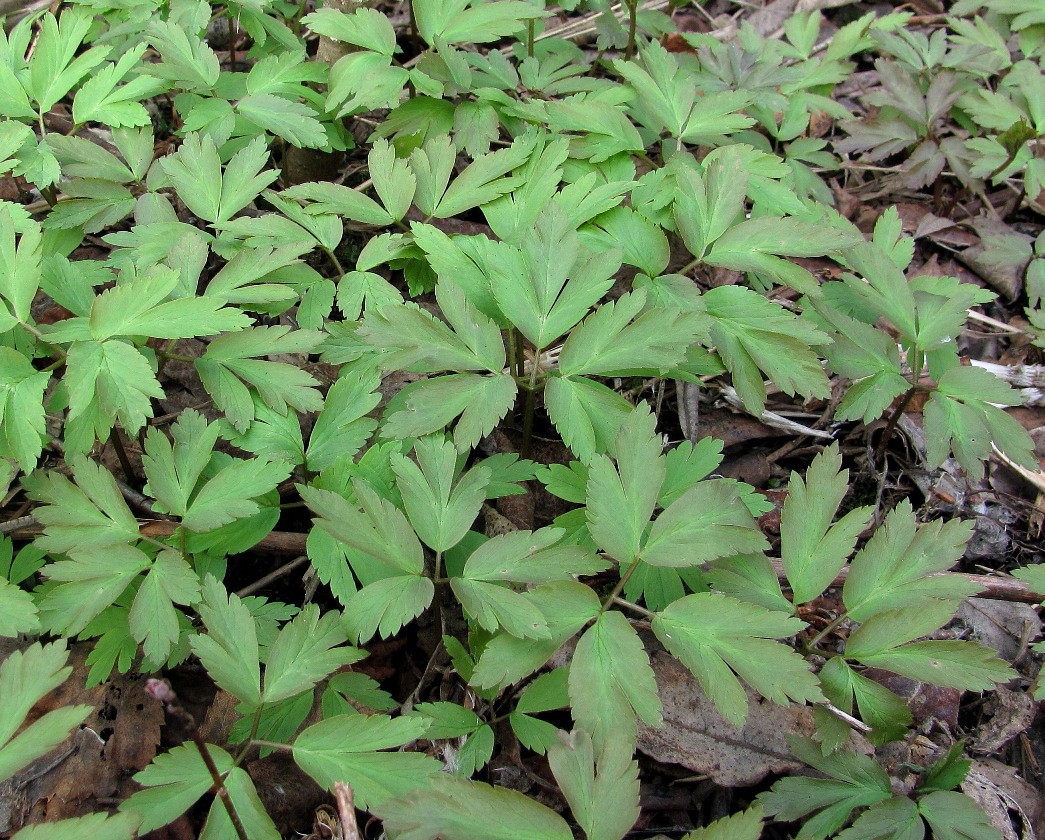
x=632 y=606
x=529 y=37
x=334 y=261
x=890 y=425
x=633 y=14
x=832 y=625
x=121 y=454
x=620 y=586
x=254 y=723
x=531 y=399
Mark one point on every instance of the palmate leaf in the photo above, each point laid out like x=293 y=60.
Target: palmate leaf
x=812 y=549
x=603 y=795
x=25 y=677
x=611 y=682
x=455 y=809
x=720 y=638
x=347 y=748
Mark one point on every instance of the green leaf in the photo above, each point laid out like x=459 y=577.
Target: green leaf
x=894 y=819
x=621 y=499
x=366 y=28
x=346 y=749
x=295 y=122
x=530 y=557
x=380 y=530
x=187 y=60
x=855 y=781
x=954 y=816
x=231 y=493
x=587 y=414
x=22 y=389
x=611 y=682
x=19 y=263
x=256 y=821
x=720 y=639
x=419 y=342
x=108 y=381
x=961 y=417
x=173 y=470
x=55 y=67
x=18 y=611
x=430 y=405
x=195 y=172
x=342 y=427
x=393 y=181
x=305 y=652
x=567 y=606
x=455 y=809
x=745 y=825
x=88 y=514
x=139 y=307
x=88 y=583
x=440 y=508
x=481 y=181
x=336 y=199
x=233 y=357
x=229 y=651
x=707 y=204
x=753 y=334
x=100 y=100
x=620 y=337
x=459 y=21
x=385 y=606
x=89 y=827
x=898 y=566
x=26 y=677
x=493 y=606
x=559 y=283
x=704 y=523
x=603 y=797
x=153 y=618
x=812 y=549
x=877 y=705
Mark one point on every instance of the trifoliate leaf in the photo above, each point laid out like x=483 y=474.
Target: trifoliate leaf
x=898 y=565
x=25 y=677
x=812 y=549
x=720 y=638
x=603 y=796
x=455 y=809
x=612 y=683
x=305 y=651
x=346 y=749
